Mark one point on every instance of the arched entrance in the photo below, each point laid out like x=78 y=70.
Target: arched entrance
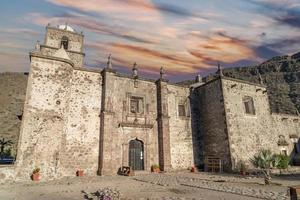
x=136 y=154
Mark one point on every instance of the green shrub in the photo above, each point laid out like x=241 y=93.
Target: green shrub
x=155 y=166
x=282 y=161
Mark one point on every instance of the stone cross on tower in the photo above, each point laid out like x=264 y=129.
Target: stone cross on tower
x=109 y=64
x=135 y=70
x=162 y=72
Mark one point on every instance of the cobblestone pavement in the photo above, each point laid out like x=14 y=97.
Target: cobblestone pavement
x=246 y=187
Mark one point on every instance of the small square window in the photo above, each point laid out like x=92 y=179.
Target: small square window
x=249 y=105
x=181 y=110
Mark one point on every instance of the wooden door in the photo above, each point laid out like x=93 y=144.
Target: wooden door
x=136 y=155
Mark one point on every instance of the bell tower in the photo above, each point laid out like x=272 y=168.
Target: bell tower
x=64 y=37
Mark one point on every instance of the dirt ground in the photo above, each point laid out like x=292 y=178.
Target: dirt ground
x=137 y=187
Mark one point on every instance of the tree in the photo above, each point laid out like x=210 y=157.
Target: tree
x=264 y=160
x=3 y=144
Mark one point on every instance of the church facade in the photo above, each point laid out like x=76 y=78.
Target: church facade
x=97 y=121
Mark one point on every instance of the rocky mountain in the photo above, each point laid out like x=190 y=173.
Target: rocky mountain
x=12 y=97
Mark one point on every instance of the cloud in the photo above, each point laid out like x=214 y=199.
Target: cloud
x=92 y=25
x=141 y=10
x=277 y=47
x=283 y=12
x=290 y=18
x=153 y=59
x=265 y=51
x=26 y=31
x=144 y=8
x=220 y=47
x=184 y=37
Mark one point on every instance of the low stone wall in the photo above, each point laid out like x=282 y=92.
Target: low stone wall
x=7 y=174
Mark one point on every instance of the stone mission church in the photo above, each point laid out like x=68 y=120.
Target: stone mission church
x=97 y=121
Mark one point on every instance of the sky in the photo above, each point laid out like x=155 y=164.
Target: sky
x=186 y=37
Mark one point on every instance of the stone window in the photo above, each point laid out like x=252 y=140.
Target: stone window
x=136 y=105
x=65 y=42
x=249 y=105
x=181 y=110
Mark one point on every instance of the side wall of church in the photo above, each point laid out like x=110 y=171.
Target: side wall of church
x=180 y=128
x=120 y=125
x=249 y=134
x=45 y=117
x=209 y=124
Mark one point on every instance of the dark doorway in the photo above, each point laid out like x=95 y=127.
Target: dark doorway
x=136 y=155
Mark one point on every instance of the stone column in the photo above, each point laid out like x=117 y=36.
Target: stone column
x=106 y=163
x=163 y=125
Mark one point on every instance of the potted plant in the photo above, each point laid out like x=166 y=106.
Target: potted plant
x=36 y=174
x=79 y=173
x=243 y=169
x=155 y=168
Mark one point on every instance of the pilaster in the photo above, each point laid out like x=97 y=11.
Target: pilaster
x=163 y=125
x=107 y=122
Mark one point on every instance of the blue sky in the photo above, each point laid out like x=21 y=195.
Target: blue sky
x=186 y=37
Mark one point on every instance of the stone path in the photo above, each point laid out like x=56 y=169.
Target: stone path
x=245 y=189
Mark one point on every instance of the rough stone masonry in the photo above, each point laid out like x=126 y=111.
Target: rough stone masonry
x=75 y=118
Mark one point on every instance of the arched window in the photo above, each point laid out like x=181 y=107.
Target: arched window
x=65 y=42
x=249 y=105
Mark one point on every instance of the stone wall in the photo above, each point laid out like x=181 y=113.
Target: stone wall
x=7 y=174
x=45 y=117
x=12 y=97
x=180 y=128
x=81 y=140
x=248 y=134
x=209 y=123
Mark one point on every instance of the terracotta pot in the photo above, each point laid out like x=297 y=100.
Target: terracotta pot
x=35 y=176
x=79 y=173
